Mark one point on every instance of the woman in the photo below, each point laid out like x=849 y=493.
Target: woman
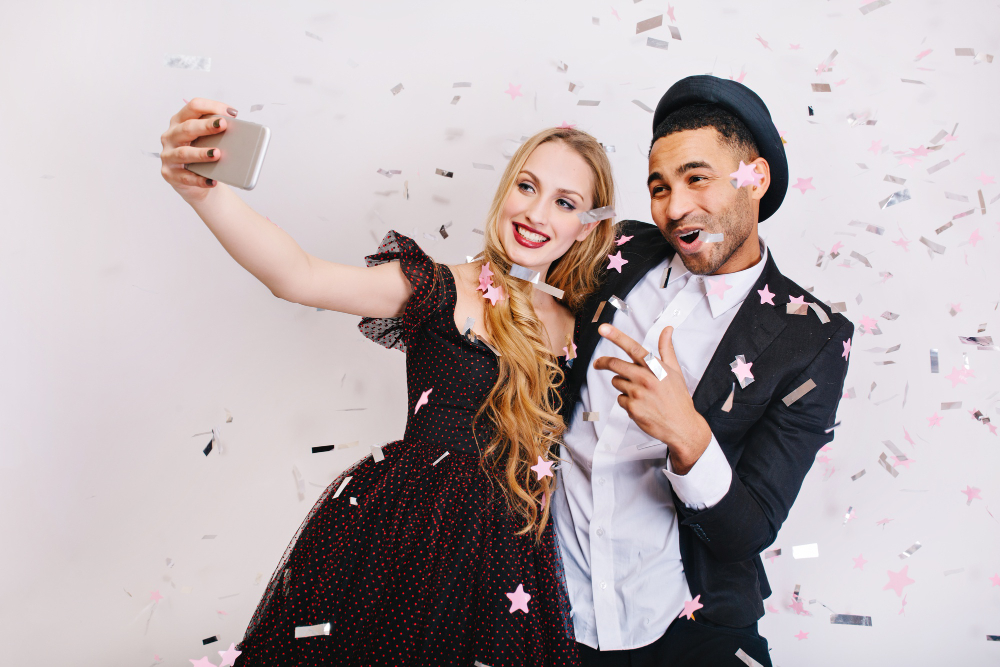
x=438 y=551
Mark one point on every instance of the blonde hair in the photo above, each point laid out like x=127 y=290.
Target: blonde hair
x=523 y=406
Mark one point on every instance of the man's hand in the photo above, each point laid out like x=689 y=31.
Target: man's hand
x=661 y=408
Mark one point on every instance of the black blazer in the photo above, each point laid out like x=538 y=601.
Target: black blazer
x=770 y=446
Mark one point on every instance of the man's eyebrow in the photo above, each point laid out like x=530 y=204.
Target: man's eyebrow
x=560 y=190
x=698 y=164
x=655 y=176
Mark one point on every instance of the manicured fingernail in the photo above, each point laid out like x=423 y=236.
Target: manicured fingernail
x=210 y=181
x=232 y=111
x=217 y=122
x=211 y=152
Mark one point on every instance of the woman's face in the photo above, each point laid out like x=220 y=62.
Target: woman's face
x=539 y=221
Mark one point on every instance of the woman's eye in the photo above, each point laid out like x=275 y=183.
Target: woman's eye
x=525 y=187
x=568 y=205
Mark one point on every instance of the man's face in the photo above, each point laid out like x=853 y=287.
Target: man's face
x=692 y=196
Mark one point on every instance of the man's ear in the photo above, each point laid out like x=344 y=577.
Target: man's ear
x=587 y=229
x=761 y=166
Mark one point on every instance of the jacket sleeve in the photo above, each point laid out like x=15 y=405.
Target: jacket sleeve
x=778 y=451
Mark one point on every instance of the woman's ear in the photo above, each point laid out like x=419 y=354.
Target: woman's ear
x=587 y=229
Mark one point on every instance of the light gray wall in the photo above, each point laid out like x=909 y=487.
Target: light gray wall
x=127 y=328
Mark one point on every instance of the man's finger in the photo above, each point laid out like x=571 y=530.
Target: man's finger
x=619 y=367
x=633 y=349
x=666 y=345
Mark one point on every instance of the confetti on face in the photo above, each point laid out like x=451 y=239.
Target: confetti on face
x=745 y=175
x=617 y=262
x=690 y=607
x=519 y=600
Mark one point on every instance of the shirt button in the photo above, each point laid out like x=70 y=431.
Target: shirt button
x=676 y=313
x=600 y=480
x=600 y=532
x=604 y=585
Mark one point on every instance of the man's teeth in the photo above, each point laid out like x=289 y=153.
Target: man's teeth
x=692 y=237
x=531 y=236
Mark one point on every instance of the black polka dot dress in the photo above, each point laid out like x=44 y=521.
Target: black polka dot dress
x=418 y=571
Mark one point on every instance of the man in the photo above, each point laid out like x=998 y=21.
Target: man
x=673 y=487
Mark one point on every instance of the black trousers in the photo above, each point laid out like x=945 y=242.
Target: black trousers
x=687 y=643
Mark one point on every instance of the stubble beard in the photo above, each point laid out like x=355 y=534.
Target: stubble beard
x=736 y=223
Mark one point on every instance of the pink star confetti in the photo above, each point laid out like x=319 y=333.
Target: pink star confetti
x=804 y=184
x=718 y=287
x=670 y=13
x=859 y=563
x=493 y=294
x=986 y=180
x=543 y=468
x=905 y=462
x=909 y=160
x=920 y=151
x=924 y=53
x=622 y=240
x=797 y=299
x=746 y=175
x=975 y=237
x=797 y=607
x=155 y=596
x=898 y=581
x=972 y=493
x=955 y=159
x=739 y=79
x=774 y=610
x=802 y=635
x=883 y=522
x=956 y=376
x=875 y=147
x=763 y=42
x=567 y=126
x=836 y=247
x=201 y=662
x=795 y=47
x=484 y=277
x=867 y=324
x=995 y=579
x=742 y=370
x=519 y=599
x=902 y=608
x=957 y=307
x=514 y=91
x=906 y=436
x=903 y=243
x=766 y=296
x=690 y=607
x=422 y=401
x=934 y=420
x=617 y=262
x=847 y=349
x=841 y=82
x=615 y=12
x=229 y=656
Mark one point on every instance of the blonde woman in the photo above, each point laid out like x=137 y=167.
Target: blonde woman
x=441 y=551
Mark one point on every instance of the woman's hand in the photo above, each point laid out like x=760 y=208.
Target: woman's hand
x=186 y=126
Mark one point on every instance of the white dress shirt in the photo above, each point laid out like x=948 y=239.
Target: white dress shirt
x=614 y=515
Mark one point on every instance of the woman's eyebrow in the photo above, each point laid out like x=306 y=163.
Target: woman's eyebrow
x=559 y=190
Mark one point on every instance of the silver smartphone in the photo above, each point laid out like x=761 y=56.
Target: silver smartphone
x=243 y=145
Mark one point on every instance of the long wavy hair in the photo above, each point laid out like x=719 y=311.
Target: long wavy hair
x=523 y=406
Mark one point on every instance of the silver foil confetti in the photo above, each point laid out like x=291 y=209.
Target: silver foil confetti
x=675 y=33
x=481 y=165
x=921 y=83
x=388 y=173
x=588 y=103
x=522 y=273
x=747 y=660
x=963 y=214
x=303 y=631
x=855 y=477
x=591 y=416
x=838 y=307
x=462 y=84
x=596 y=215
x=256 y=107
x=965 y=52
x=909 y=552
x=397 y=89
x=620 y=305
x=895 y=450
x=939 y=166
x=850 y=619
x=952 y=195
x=773 y=553
x=440 y=458
x=861 y=258
x=649 y=24
x=300 y=483
x=654 y=365
x=982 y=202
x=641 y=105
x=442 y=172
x=821 y=88
x=713 y=238
x=797 y=309
x=744 y=381
x=728 y=405
x=982 y=342
x=455 y=99
x=597 y=313
x=936 y=247
x=934 y=361
x=820 y=313
x=895 y=198
x=956 y=571
x=657 y=43
x=951 y=405
x=894 y=179
x=316 y=37
x=343 y=483
x=806 y=551
x=883 y=461
x=887 y=315
x=801 y=391
x=188 y=62
x=943 y=228
x=377 y=454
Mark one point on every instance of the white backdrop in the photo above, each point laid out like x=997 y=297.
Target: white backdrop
x=127 y=328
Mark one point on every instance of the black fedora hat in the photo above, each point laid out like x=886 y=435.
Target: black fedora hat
x=750 y=109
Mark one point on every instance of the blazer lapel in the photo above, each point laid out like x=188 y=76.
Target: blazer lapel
x=752 y=330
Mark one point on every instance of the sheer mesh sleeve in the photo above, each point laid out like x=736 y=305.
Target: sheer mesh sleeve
x=421 y=271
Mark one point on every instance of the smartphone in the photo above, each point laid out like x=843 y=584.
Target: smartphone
x=243 y=145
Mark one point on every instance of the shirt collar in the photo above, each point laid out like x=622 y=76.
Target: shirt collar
x=739 y=282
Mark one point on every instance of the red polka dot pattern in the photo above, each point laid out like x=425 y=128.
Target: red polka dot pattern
x=418 y=572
